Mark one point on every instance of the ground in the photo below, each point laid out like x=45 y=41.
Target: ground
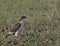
x=42 y=26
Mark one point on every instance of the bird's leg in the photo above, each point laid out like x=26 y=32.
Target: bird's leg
x=7 y=35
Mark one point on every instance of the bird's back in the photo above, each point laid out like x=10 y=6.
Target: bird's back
x=15 y=27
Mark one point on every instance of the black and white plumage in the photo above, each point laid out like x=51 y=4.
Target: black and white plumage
x=17 y=27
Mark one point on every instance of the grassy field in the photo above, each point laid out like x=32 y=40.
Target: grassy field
x=42 y=26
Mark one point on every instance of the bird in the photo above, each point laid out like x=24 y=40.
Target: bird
x=17 y=27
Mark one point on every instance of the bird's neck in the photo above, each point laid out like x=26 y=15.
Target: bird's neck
x=21 y=21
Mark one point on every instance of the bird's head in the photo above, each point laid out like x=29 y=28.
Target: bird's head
x=22 y=18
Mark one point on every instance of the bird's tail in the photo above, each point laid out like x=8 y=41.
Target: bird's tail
x=9 y=34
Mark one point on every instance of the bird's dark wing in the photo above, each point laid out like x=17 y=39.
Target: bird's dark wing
x=16 y=27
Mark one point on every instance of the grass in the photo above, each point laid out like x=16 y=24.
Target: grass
x=42 y=26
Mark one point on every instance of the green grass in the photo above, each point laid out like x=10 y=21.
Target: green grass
x=42 y=27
